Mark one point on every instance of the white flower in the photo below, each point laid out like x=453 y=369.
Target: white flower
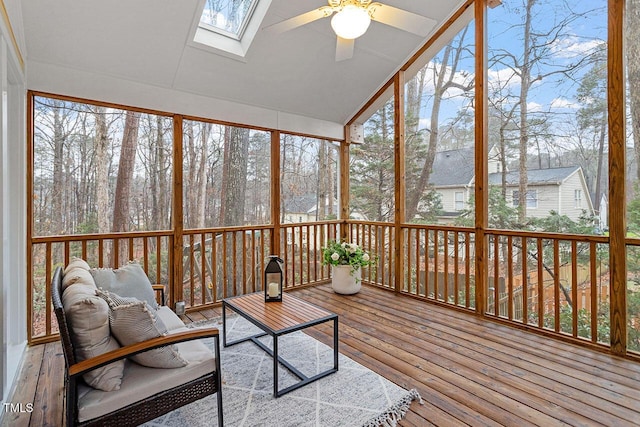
x=335 y=256
x=343 y=245
x=365 y=257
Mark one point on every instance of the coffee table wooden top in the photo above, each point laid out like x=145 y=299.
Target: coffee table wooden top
x=278 y=316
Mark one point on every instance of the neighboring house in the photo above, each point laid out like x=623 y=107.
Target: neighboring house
x=304 y=208
x=603 y=215
x=563 y=190
x=300 y=208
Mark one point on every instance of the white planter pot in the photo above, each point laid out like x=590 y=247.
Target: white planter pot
x=344 y=281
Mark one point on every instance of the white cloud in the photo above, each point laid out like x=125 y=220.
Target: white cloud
x=572 y=47
x=534 y=106
x=564 y=103
x=503 y=78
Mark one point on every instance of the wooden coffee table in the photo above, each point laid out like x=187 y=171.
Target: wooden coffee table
x=277 y=319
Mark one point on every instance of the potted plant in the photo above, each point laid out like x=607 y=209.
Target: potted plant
x=346 y=261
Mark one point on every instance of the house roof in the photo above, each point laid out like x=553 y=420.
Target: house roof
x=141 y=53
x=453 y=168
x=300 y=204
x=549 y=176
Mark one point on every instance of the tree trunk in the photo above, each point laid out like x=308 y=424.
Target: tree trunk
x=58 y=185
x=525 y=84
x=102 y=170
x=201 y=181
x=234 y=175
x=633 y=73
x=413 y=199
x=164 y=178
x=124 y=180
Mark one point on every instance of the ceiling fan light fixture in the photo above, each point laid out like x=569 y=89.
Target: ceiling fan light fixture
x=351 y=22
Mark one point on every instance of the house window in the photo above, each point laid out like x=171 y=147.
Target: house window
x=459 y=200
x=577 y=198
x=532 y=198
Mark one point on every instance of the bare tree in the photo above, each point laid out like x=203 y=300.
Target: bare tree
x=125 y=172
x=102 y=169
x=234 y=176
x=632 y=47
x=444 y=78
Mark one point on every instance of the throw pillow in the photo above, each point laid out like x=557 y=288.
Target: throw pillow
x=88 y=317
x=78 y=275
x=76 y=263
x=127 y=281
x=133 y=321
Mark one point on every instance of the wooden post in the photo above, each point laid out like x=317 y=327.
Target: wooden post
x=344 y=184
x=400 y=185
x=29 y=254
x=617 y=176
x=481 y=150
x=275 y=192
x=175 y=283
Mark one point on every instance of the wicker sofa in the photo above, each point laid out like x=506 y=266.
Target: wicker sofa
x=136 y=393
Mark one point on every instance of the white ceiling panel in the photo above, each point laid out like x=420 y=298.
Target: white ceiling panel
x=295 y=72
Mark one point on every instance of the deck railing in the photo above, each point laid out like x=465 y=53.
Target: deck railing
x=558 y=283
x=152 y=249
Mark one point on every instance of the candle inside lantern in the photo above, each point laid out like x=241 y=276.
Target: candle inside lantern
x=272 y=290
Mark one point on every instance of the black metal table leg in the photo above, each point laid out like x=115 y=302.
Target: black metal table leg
x=275 y=366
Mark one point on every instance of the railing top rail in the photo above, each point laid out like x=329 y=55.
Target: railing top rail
x=548 y=235
x=100 y=236
x=361 y=222
x=633 y=241
x=188 y=231
x=297 y=224
x=438 y=227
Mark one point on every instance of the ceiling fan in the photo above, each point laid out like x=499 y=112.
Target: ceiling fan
x=352 y=18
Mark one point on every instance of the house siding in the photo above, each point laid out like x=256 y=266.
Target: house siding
x=448 y=198
x=567 y=198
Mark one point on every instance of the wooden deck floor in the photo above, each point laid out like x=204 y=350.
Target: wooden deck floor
x=468 y=371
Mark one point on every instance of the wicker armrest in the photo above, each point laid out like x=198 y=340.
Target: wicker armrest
x=159 y=288
x=130 y=350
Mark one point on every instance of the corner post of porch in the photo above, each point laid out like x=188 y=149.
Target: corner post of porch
x=616 y=93
x=344 y=184
x=481 y=164
x=175 y=283
x=275 y=192
x=400 y=181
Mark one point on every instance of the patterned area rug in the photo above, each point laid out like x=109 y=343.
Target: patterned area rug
x=353 y=396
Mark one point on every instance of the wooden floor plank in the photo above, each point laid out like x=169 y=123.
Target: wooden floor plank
x=25 y=390
x=48 y=406
x=467 y=370
x=512 y=374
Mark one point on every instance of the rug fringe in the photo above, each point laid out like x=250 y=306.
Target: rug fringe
x=394 y=413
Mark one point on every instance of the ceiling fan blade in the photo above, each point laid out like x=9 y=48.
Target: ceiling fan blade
x=344 y=49
x=300 y=20
x=402 y=19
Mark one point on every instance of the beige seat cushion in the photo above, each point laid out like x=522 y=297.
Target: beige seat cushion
x=88 y=318
x=141 y=382
x=169 y=318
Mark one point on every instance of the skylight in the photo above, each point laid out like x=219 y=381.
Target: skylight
x=227 y=17
x=227 y=27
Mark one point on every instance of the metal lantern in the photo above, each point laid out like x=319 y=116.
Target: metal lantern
x=273 y=279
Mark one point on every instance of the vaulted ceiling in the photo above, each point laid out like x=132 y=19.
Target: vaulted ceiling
x=149 y=42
